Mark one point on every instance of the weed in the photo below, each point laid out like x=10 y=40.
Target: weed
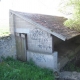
x=71 y=67
x=11 y=69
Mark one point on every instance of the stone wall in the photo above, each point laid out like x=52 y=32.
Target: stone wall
x=39 y=41
x=44 y=60
x=7 y=47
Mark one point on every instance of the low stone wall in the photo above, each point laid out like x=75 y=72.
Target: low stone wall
x=7 y=47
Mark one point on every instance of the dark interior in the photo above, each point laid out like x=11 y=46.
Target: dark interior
x=69 y=48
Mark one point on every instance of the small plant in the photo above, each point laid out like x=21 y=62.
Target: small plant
x=71 y=67
x=11 y=69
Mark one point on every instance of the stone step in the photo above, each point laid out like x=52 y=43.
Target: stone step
x=66 y=75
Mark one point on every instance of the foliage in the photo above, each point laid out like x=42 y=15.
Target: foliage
x=11 y=69
x=4 y=31
x=71 y=67
x=74 y=21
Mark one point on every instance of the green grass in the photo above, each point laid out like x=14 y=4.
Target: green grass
x=11 y=69
x=4 y=31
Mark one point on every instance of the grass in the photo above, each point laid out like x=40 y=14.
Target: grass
x=4 y=31
x=11 y=69
x=71 y=67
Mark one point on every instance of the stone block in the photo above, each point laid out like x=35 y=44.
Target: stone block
x=44 y=60
x=39 y=41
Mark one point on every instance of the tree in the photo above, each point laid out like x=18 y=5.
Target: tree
x=74 y=21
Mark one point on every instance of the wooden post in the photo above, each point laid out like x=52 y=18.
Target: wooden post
x=24 y=52
x=21 y=47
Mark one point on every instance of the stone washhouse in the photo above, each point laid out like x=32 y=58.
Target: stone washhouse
x=44 y=39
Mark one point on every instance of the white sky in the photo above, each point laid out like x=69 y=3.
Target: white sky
x=36 y=6
x=31 y=6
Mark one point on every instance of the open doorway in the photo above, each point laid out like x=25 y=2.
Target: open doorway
x=67 y=50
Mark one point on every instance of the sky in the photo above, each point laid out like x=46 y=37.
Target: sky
x=49 y=7
x=36 y=6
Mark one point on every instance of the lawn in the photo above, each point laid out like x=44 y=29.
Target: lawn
x=4 y=31
x=11 y=69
